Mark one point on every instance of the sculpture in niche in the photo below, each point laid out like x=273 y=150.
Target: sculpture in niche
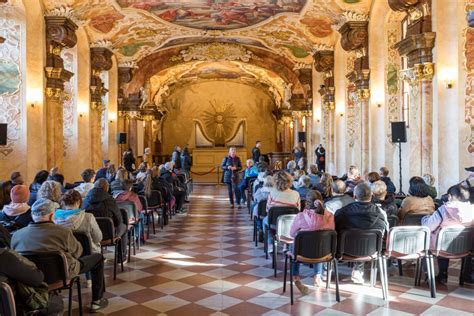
x=220 y=121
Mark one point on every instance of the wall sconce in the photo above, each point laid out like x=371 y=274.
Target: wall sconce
x=112 y=117
x=341 y=114
x=303 y=122
x=448 y=76
x=291 y=124
x=82 y=109
x=448 y=84
x=34 y=97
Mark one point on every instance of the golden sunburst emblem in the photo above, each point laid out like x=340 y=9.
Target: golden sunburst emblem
x=220 y=121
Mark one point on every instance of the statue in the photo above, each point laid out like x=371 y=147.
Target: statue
x=144 y=92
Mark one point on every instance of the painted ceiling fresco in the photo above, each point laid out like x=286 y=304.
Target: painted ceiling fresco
x=215 y=14
x=137 y=28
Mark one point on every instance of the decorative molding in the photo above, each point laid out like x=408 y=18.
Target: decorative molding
x=324 y=60
x=354 y=35
x=418 y=48
x=215 y=52
x=101 y=60
x=102 y=44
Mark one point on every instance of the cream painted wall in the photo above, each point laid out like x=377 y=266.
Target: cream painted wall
x=113 y=150
x=248 y=102
x=340 y=165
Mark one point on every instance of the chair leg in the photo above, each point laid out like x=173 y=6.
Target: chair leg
x=461 y=276
x=431 y=271
x=328 y=274
x=336 y=274
x=291 y=280
x=115 y=261
x=417 y=271
x=265 y=244
x=134 y=242
x=385 y=272
x=274 y=256
x=400 y=270
x=69 y=309
x=372 y=273
x=380 y=262
x=285 y=272
x=79 y=295
x=121 y=254
x=153 y=221
x=130 y=237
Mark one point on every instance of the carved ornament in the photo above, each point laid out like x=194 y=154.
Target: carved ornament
x=402 y=5
x=324 y=60
x=354 y=35
x=363 y=94
x=215 y=52
x=418 y=48
x=418 y=73
x=125 y=75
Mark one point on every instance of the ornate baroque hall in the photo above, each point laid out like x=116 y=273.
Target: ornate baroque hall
x=217 y=157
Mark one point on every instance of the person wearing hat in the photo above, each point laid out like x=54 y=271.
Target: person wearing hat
x=16 y=178
x=18 y=212
x=102 y=172
x=42 y=235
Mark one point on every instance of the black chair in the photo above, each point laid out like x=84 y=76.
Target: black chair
x=273 y=214
x=54 y=266
x=455 y=243
x=250 y=182
x=312 y=247
x=150 y=218
x=412 y=219
x=109 y=239
x=362 y=245
x=392 y=221
x=261 y=213
x=159 y=206
x=85 y=242
x=7 y=300
x=133 y=223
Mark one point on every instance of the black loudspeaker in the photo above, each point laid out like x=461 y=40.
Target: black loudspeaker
x=122 y=138
x=3 y=134
x=399 y=132
x=301 y=137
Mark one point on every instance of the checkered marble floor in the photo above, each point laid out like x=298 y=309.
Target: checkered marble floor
x=205 y=263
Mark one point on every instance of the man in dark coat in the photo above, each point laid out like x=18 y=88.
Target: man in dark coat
x=129 y=160
x=256 y=152
x=231 y=166
x=102 y=172
x=100 y=203
x=321 y=158
x=361 y=214
x=386 y=179
x=176 y=157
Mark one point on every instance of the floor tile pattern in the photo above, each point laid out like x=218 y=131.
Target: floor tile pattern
x=205 y=263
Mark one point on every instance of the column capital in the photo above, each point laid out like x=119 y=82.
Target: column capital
x=324 y=60
x=418 y=73
x=354 y=35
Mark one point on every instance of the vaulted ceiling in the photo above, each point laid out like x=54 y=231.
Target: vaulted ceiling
x=135 y=29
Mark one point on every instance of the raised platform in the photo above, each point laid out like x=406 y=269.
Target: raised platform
x=207 y=163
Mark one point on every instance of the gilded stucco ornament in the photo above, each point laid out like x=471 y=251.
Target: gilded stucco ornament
x=363 y=94
x=418 y=73
x=216 y=51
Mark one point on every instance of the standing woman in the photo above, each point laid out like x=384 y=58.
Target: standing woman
x=231 y=165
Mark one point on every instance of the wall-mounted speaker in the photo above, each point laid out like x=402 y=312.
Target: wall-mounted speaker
x=399 y=132
x=3 y=134
x=301 y=137
x=122 y=138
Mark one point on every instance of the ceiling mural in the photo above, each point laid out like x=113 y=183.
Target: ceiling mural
x=215 y=14
x=135 y=29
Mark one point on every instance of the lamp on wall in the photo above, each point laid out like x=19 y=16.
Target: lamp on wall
x=34 y=97
x=448 y=75
x=291 y=124
x=112 y=117
x=82 y=109
x=303 y=122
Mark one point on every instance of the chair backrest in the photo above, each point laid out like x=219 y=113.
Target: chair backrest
x=413 y=219
x=129 y=208
x=392 y=221
x=455 y=241
x=85 y=241
x=284 y=224
x=262 y=208
x=106 y=225
x=7 y=300
x=314 y=245
x=276 y=211
x=408 y=240
x=155 y=196
x=144 y=202
x=53 y=264
x=359 y=242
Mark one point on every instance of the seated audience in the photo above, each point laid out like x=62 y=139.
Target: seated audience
x=291 y=167
x=262 y=195
x=178 y=191
x=102 y=172
x=116 y=185
x=281 y=195
x=17 y=214
x=5 y=188
x=458 y=211
x=301 y=164
x=141 y=175
x=468 y=183
x=71 y=215
x=361 y=214
x=50 y=190
x=418 y=202
x=325 y=186
x=262 y=164
x=101 y=204
x=353 y=179
x=16 y=178
x=372 y=177
x=110 y=174
x=250 y=172
x=126 y=194
x=314 y=217
x=383 y=199
x=296 y=177
x=386 y=179
x=44 y=235
x=59 y=178
x=339 y=198
x=303 y=188
x=313 y=174
x=88 y=176
x=430 y=182
x=39 y=179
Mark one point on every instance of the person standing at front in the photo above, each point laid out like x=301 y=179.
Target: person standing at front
x=231 y=165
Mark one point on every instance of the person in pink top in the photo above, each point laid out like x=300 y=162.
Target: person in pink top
x=314 y=217
x=128 y=195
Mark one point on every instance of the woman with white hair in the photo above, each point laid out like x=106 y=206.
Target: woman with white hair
x=291 y=167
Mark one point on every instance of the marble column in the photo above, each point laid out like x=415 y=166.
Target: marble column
x=60 y=33
x=363 y=97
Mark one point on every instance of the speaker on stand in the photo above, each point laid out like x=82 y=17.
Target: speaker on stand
x=399 y=135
